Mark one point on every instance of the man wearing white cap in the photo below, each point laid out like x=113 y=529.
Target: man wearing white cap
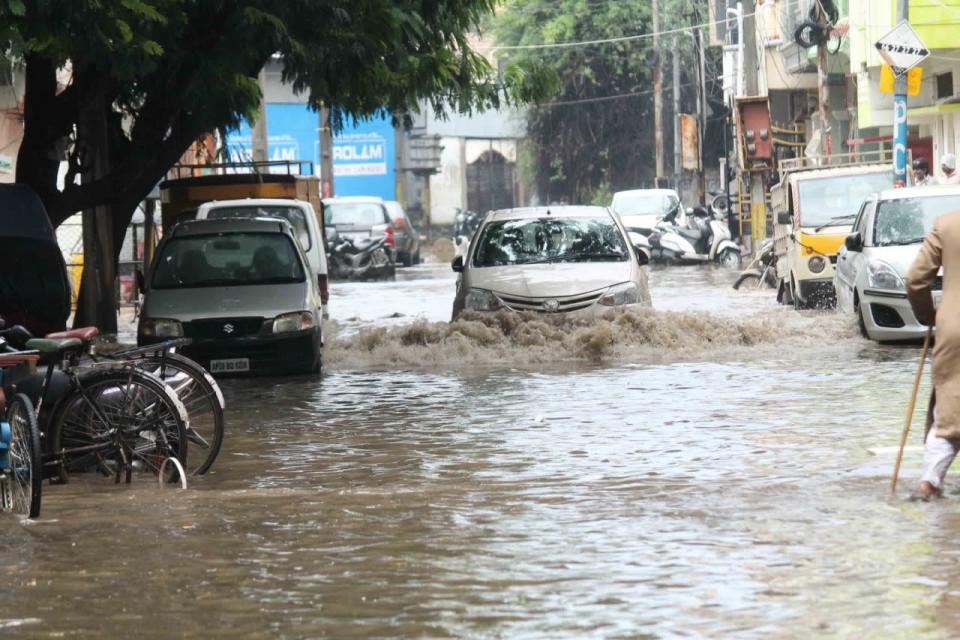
x=948 y=164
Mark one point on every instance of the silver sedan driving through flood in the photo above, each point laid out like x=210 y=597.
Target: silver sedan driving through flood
x=559 y=259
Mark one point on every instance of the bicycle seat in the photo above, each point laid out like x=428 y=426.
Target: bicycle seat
x=83 y=334
x=49 y=348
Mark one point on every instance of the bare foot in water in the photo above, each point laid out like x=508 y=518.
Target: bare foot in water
x=925 y=492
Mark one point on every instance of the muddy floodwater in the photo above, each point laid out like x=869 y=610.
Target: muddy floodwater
x=718 y=467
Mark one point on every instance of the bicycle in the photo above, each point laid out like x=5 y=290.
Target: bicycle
x=21 y=475
x=196 y=388
x=113 y=418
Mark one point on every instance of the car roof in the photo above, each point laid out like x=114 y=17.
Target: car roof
x=828 y=171
x=671 y=192
x=558 y=211
x=343 y=199
x=232 y=225
x=251 y=202
x=928 y=191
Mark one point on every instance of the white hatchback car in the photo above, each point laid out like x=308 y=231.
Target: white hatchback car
x=873 y=263
x=558 y=259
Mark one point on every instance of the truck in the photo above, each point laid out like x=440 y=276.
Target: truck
x=814 y=205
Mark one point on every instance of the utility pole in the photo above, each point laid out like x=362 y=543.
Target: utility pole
x=259 y=134
x=823 y=99
x=702 y=112
x=326 y=153
x=900 y=113
x=657 y=98
x=677 y=162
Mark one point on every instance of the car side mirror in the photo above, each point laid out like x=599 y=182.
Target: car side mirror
x=457 y=264
x=643 y=254
x=854 y=242
x=141 y=282
x=784 y=217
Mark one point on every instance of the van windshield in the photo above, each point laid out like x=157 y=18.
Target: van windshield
x=227 y=260
x=826 y=200
x=293 y=215
x=359 y=214
x=907 y=221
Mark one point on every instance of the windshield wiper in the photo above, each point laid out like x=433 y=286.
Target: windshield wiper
x=576 y=256
x=901 y=243
x=831 y=222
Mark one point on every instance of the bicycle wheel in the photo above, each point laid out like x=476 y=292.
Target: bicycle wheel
x=117 y=422
x=26 y=473
x=202 y=399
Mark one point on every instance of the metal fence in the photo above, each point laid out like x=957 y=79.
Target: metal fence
x=70 y=239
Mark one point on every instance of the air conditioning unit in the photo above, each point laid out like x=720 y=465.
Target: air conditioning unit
x=947 y=91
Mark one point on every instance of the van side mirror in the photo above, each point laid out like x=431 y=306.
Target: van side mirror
x=457 y=264
x=643 y=255
x=784 y=217
x=141 y=282
x=854 y=242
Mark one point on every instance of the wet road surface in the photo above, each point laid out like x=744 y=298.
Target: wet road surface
x=737 y=489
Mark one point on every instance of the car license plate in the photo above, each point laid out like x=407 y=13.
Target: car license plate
x=232 y=365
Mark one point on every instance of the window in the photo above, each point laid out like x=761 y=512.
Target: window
x=639 y=204
x=907 y=221
x=293 y=215
x=945 y=86
x=356 y=214
x=837 y=198
x=542 y=240
x=228 y=260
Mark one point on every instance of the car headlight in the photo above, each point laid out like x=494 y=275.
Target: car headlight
x=161 y=328
x=482 y=300
x=620 y=294
x=291 y=322
x=881 y=275
x=817 y=264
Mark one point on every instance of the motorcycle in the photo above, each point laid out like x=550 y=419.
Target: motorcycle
x=701 y=235
x=465 y=224
x=762 y=270
x=359 y=258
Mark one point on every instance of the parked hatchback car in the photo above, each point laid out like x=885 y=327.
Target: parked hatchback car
x=641 y=209
x=360 y=218
x=558 y=259
x=872 y=265
x=407 y=238
x=241 y=289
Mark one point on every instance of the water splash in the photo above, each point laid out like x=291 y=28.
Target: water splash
x=517 y=339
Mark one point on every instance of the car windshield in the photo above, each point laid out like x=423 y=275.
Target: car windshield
x=293 y=215
x=541 y=240
x=639 y=204
x=907 y=220
x=360 y=214
x=837 y=198
x=227 y=260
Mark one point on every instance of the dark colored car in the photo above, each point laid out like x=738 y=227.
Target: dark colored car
x=34 y=287
x=408 y=240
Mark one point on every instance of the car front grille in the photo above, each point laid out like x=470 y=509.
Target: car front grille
x=564 y=304
x=222 y=328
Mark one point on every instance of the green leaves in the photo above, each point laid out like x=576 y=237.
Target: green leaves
x=17 y=7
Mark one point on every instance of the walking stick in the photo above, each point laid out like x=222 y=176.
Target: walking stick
x=910 y=407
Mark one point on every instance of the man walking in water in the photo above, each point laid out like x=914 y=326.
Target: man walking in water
x=941 y=248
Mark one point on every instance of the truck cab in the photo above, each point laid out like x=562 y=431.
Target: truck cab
x=814 y=206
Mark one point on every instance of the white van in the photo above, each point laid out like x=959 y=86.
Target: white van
x=300 y=215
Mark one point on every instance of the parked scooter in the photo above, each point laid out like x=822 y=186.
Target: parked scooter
x=693 y=236
x=761 y=272
x=359 y=258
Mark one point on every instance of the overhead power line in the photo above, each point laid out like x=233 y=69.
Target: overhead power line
x=638 y=36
